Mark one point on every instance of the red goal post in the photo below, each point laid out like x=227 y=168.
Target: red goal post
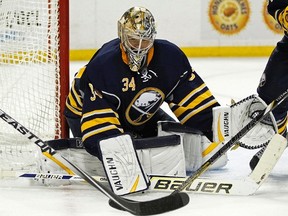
x=64 y=61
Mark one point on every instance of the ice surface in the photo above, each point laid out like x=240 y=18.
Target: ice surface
x=227 y=78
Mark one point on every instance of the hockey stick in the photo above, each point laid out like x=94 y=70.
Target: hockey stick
x=204 y=167
x=161 y=205
x=246 y=186
x=264 y=113
x=151 y=207
x=241 y=187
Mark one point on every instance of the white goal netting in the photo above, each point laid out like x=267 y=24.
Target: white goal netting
x=29 y=77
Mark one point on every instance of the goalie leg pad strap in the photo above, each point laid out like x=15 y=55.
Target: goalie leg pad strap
x=122 y=166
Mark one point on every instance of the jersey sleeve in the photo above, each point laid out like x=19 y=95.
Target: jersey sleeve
x=74 y=101
x=192 y=103
x=99 y=118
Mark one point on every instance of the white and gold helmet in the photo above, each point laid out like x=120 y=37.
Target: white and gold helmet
x=137 y=31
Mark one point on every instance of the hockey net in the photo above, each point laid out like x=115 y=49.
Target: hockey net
x=34 y=76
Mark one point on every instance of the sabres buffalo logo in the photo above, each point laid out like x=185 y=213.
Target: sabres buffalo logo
x=144 y=106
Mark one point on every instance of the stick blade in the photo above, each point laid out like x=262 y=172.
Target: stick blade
x=152 y=207
x=268 y=160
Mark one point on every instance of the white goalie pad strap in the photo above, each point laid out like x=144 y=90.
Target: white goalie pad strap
x=228 y=121
x=122 y=166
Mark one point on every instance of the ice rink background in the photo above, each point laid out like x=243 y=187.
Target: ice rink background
x=227 y=78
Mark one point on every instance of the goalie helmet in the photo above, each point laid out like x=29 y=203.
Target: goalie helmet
x=136 y=30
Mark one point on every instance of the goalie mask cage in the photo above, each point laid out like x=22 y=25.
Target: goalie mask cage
x=34 y=75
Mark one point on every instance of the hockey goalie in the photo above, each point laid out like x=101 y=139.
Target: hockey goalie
x=115 y=100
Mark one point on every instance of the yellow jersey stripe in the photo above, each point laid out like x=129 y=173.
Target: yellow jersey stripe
x=80 y=72
x=282 y=126
x=194 y=112
x=200 y=99
x=182 y=102
x=194 y=103
x=77 y=96
x=99 y=112
x=72 y=109
x=97 y=121
x=73 y=103
x=100 y=130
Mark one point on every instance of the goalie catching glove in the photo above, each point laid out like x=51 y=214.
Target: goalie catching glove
x=121 y=164
x=228 y=121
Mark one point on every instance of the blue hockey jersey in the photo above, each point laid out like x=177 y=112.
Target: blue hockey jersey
x=110 y=98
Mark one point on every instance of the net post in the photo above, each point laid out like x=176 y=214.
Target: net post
x=64 y=62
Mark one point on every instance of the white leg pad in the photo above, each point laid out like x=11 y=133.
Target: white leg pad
x=195 y=148
x=191 y=145
x=210 y=149
x=168 y=160
x=193 y=151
